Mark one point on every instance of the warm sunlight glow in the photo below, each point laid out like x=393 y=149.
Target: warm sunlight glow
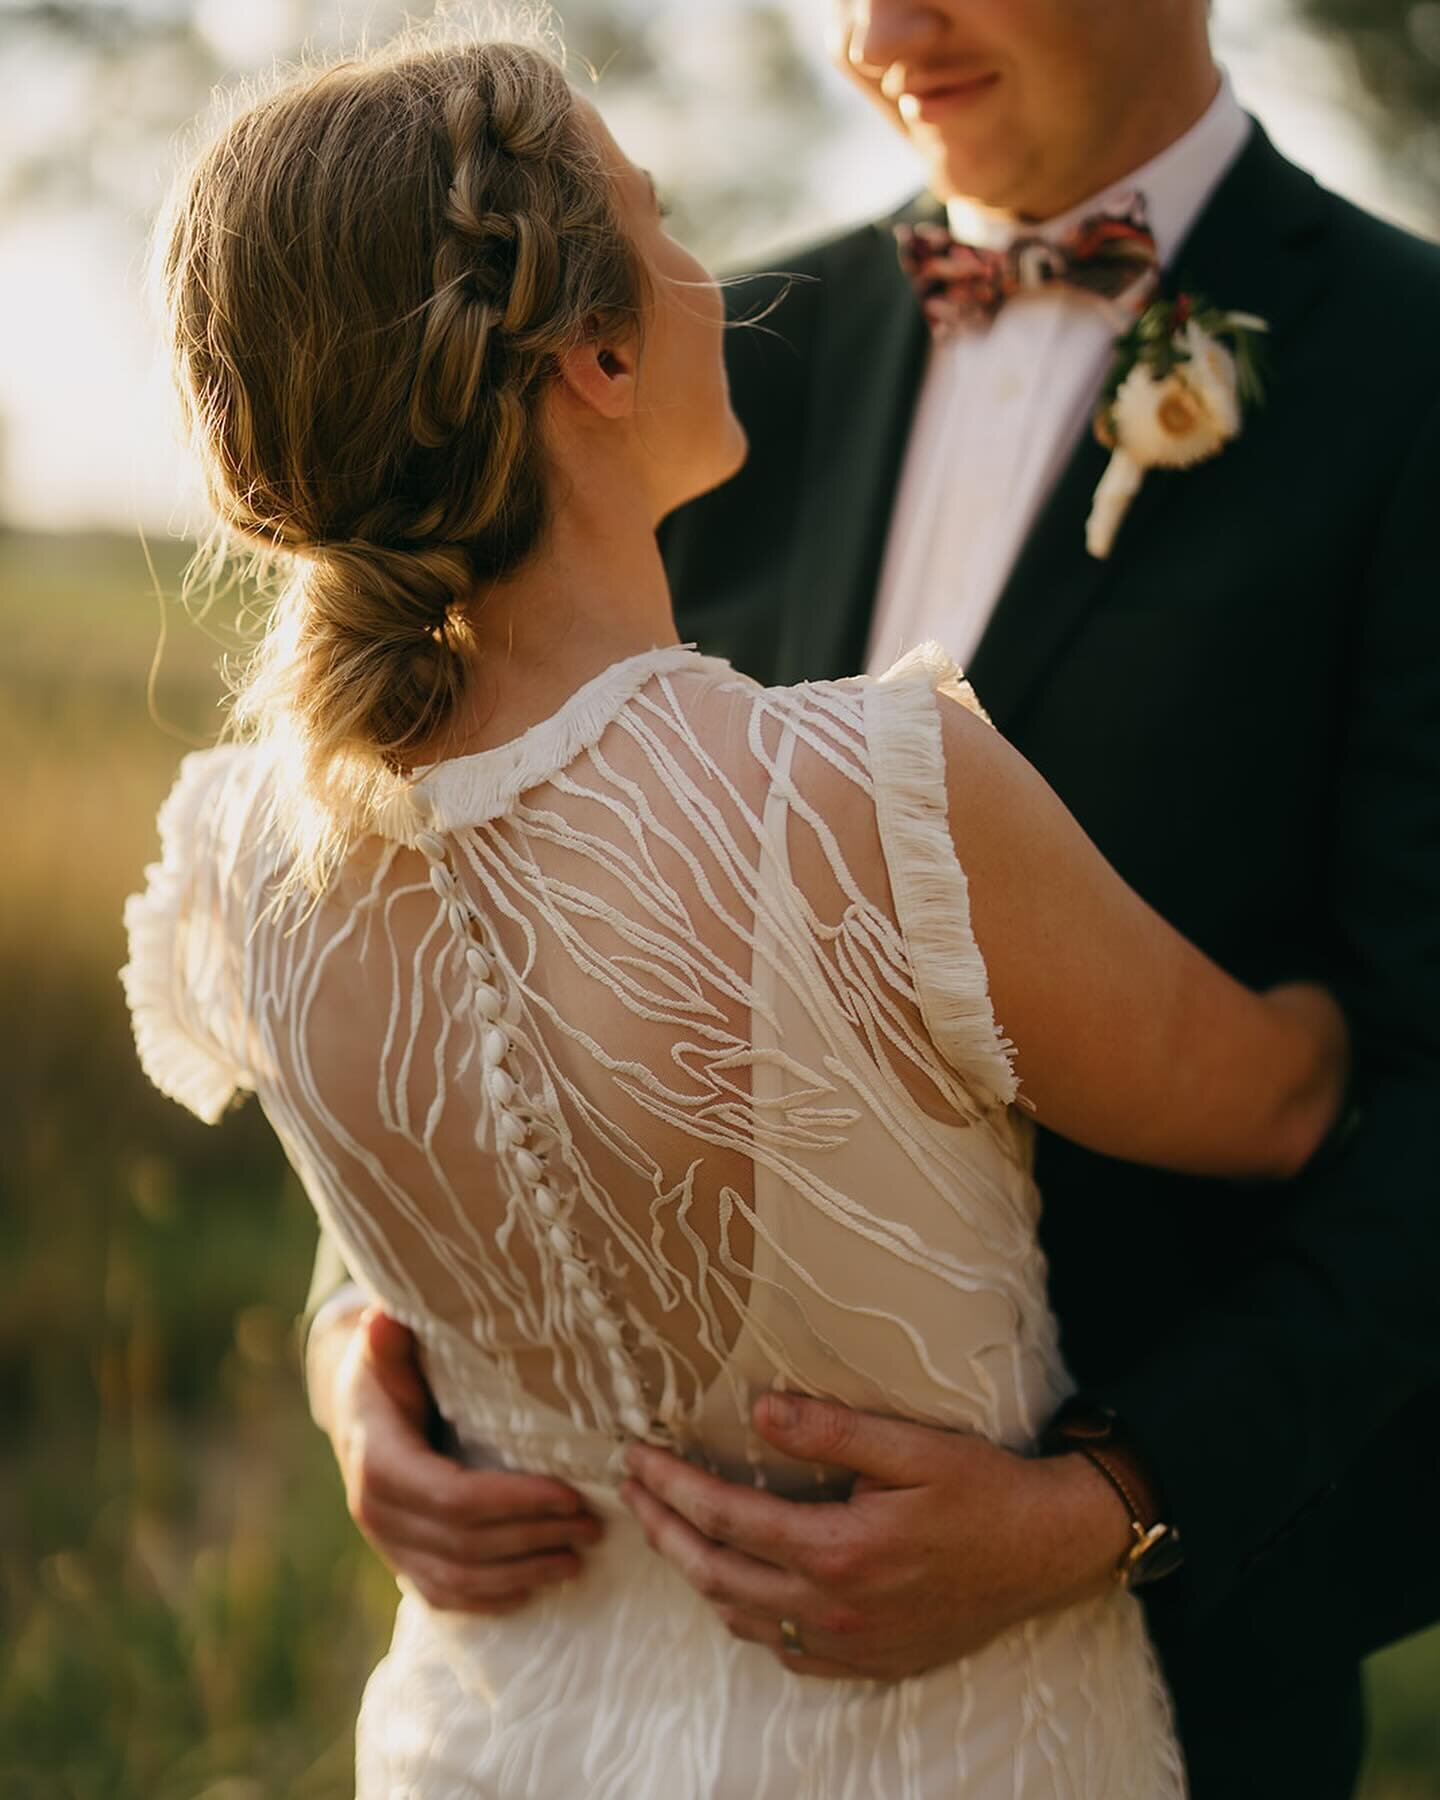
x=85 y=414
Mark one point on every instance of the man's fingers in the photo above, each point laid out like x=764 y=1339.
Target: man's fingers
x=503 y=1543
x=501 y=1581
x=409 y=1475
x=766 y=1633
x=398 y=1529
x=892 y=1452
x=763 y=1526
x=390 y=1352
x=444 y=1596
x=449 y=1587
x=388 y=1341
x=724 y=1577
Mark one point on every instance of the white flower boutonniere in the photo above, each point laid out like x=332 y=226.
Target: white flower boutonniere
x=1175 y=396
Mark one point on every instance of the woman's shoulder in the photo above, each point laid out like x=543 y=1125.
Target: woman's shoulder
x=930 y=669
x=927 y=668
x=911 y=723
x=907 y=730
x=904 y=739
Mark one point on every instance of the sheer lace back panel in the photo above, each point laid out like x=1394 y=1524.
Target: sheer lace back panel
x=649 y=1064
x=652 y=1067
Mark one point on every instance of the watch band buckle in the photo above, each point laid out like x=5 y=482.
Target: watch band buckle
x=1145 y=1542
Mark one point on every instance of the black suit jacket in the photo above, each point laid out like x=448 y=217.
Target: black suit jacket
x=1242 y=708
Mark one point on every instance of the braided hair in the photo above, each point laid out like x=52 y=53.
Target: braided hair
x=370 y=276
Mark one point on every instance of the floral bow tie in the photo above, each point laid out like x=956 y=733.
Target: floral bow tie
x=1108 y=254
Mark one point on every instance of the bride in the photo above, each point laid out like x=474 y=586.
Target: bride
x=626 y=1021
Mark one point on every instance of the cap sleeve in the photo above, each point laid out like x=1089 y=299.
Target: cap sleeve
x=182 y=979
x=931 y=894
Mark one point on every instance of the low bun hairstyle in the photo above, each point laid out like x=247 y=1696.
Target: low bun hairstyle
x=369 y=276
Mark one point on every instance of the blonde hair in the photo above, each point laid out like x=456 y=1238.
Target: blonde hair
x=369 y=277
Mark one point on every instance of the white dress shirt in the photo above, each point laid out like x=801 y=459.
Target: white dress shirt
x=1003 y=405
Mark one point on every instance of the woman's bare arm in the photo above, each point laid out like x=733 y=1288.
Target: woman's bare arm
x=1129 y=1040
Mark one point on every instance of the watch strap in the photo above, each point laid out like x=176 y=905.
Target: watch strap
x=1094 y=1433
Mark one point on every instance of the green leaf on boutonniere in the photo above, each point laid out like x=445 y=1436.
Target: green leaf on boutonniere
x=1157 y=340
x=1183 y=378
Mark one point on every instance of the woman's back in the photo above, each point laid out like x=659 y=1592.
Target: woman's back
x=653 y=1067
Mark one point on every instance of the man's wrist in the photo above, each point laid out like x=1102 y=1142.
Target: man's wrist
x=1095 y=1434
x=1097 y=1523
x=1088 y=1530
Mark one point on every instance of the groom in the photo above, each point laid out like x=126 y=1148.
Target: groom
x=1241 y=704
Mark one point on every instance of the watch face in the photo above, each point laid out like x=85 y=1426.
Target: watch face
x=1082 y=1424
x=1159 y=1555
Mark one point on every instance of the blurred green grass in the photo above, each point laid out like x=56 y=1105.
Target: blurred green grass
x=185 y=1610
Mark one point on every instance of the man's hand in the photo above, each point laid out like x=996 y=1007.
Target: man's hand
x=945 y=1541
x=469 y=1540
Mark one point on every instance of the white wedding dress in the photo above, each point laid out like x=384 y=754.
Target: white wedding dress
x=648 y=1063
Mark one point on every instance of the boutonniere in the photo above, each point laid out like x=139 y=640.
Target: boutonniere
x=1183 y=378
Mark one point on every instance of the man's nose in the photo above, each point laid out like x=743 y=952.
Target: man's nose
x=882 y=32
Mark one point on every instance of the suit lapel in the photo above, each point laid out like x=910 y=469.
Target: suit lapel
x=1251 y=249
x=868 y=359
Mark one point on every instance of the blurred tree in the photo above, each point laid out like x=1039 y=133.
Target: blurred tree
x=111 y=77
x=722 y=100
x=1394 y=48
x=120 y=78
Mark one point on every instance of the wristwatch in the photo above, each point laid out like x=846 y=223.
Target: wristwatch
x=1095 y=1432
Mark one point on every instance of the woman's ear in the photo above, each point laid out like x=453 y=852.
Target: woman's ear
x=602 y=377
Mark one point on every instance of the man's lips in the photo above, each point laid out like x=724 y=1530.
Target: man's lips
x=927 y=102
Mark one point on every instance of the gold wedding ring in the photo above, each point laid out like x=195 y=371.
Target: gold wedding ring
x=790 y=1640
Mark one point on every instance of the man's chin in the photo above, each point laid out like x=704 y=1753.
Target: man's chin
x=959 y=176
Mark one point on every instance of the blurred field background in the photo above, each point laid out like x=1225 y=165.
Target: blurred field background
x=185 y=1611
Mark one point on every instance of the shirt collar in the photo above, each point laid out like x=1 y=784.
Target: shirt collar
x=1176 y=184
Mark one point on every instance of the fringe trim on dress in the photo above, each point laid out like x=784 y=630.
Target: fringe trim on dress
x=932 y=895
